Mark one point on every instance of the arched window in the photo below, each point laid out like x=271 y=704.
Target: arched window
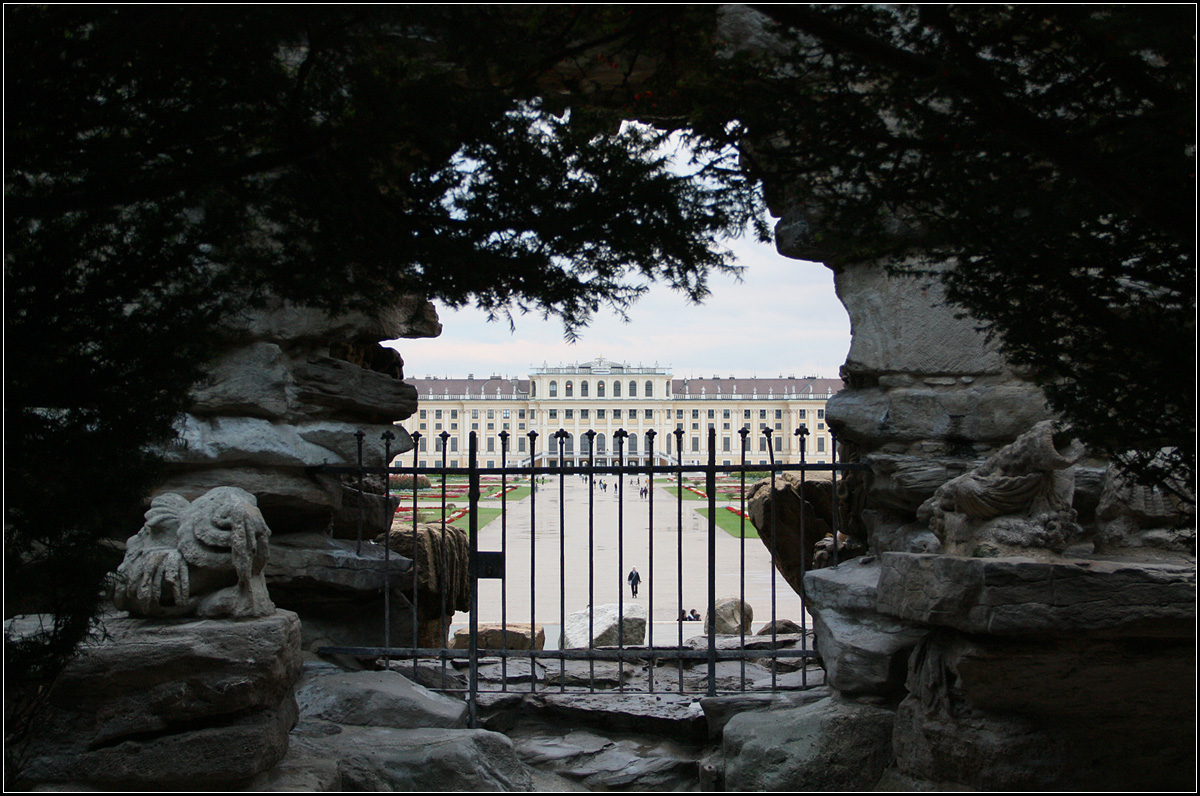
x=649 y=389
x=583 y=444
x=553 y=389
x=568 y=389
x=632 y=441
x=599 y=389
x=533 y=389
x=616 y=389
x=599 y=443
x=583 y=392
x=569 y=445
x=633 y=389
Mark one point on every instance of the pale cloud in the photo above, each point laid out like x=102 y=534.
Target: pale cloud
x=783 y=318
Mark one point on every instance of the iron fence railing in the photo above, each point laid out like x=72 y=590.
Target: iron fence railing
x=517 y=569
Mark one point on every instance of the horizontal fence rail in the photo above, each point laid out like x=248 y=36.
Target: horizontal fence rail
x=583 y=519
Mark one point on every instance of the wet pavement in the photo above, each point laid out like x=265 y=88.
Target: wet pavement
x=564 y=551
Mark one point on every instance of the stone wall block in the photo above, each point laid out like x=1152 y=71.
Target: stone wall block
x=1016 y=595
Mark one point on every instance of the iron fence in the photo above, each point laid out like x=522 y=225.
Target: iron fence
x=529 y=571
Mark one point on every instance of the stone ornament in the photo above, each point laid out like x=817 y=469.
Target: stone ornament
x=1019 y=500
x=203 y=558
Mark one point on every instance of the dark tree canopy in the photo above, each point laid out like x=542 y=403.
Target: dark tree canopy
x=1048 y=152
x=167 y=164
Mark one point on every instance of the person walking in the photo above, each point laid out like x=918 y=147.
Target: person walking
x=634 y=579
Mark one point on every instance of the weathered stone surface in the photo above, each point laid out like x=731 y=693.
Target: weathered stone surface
x=290 y=500
x=780 y=627
x=730 y=616
x=171 y=703
x=316 y=562
x=440 y=575
x=374 y=759
x=791 y=519
x=259 y=442
x=665 y=713
x=1013 y=595
x=830 y=745
x=378 y=699
x=1018 y=501
x=863 y=651
x=1008 y=714
x=203 y=557
x=605 y=626
x=979 y=413
x=1132 y=515
x=720 y=709
x=513 y=636
x=900 y=323
x=603 y=763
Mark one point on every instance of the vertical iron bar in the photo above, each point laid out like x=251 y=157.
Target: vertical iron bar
x=562 y=558
x=504 y=556
x=441 y=575
x=591 y=607
x=387 y=438
x=744 y=433
x=679 y=534
x=415 y=558
x=650 y=564
x=619 y=439
x=533 y=557
x=774 y=547
x=710 y=484
x=833 y=480
x=358 y=436
x=473 y=569
x=802 y=433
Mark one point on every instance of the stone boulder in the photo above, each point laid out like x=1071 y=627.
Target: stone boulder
x=387 y=759
x=730 y=617
x=513 y=636
x=377 y=699
x=791 y=519
x=863 y=651
x=289 y=394
x=187 y=704
x=609 y=625
x=829 y=745
x=440 y=575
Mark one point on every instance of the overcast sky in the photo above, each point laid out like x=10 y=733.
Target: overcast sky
x=783 y=318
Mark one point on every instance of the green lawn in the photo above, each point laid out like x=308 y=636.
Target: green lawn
x=687 y=493
x=730 y=523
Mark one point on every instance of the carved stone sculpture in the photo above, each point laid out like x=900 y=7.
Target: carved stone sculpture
x=204 y=558
x=1019 y=500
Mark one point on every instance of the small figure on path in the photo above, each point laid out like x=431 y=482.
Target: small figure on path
x=634 y=579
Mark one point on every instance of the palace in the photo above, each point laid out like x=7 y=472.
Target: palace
x=607 y=397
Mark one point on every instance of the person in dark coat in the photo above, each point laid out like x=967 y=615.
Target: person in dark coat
x=634 y=579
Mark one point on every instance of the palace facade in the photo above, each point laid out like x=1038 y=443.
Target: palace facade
x=607 y=397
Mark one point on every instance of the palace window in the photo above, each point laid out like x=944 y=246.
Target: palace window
x=649 y=389
x=569 y=392
x=554 y=414
x=649 y=414
x=583 y=389
x=695 y=414
x=583 y=414
x=632 y=391
x=454 y=414
x=599 y=389
x=616 y=389
x=437 y=414
x=599 y=414
x=616 y=414
x=725 y=414
x=570 y=414
x=745 y=414
x=553 y=389
x=491 y=414
x=712 y=413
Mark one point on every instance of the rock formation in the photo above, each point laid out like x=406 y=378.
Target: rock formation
x=171 y=704
x=731 y=616
x=605 y=626
x=441 y=575
x=1031 y=631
